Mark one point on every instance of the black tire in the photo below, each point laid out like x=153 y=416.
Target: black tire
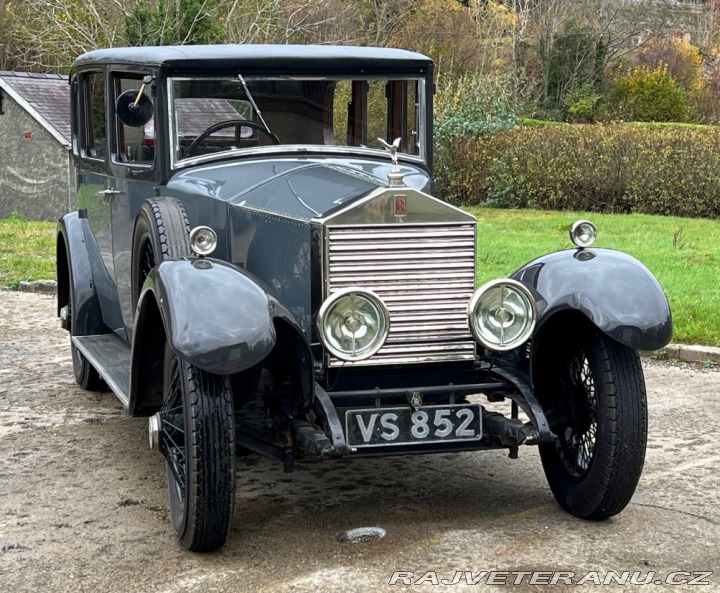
x=161 y=233
x=596 y=402
x=198 y=441
x=85 y=374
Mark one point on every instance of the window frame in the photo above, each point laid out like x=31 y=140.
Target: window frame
x=118 y=128
x=422 y=157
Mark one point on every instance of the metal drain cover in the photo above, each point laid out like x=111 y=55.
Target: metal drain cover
x=361 y=535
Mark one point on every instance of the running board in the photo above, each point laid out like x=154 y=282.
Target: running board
x=110 y=355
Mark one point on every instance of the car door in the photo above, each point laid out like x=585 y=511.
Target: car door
x=132 y=179
x=95 y=194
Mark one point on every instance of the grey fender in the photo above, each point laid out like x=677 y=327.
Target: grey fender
x=215 y=316
x=615 y=291
x=75 y=277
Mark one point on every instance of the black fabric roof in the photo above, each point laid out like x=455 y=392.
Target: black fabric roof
x=289 y=58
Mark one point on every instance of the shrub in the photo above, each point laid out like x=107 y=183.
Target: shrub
x=583 y=104
x=645 y=94
x=473 y=105
x=468 y=109
x=671 y=170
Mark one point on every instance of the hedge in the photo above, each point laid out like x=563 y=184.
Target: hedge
x=670 y=170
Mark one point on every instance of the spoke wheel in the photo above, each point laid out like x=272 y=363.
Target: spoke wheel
x=595 y=391
x=197 y=438
x=575 y=444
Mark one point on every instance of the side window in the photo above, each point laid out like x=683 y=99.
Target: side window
x=403 y=115
x=133 y=144
x=93 y=116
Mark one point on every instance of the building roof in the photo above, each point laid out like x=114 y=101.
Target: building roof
x=196 y=115
x=46 y=97
x=251 y=58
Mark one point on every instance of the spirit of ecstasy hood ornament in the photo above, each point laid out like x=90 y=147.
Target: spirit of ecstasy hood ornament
x=395 y=177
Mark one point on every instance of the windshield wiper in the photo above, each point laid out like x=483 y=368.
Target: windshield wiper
x=257 y=109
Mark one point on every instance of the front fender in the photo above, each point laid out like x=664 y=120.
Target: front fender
x=612 y=289
x=215 y=316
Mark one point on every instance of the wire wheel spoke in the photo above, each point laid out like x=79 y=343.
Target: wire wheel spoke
x=576 y=442
x=148 y=261
x=172 y=437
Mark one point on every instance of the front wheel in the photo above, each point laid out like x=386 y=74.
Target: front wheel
x=198 y=440
x=596 y=402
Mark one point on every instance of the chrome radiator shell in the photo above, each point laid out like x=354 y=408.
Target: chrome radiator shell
x=424 y=271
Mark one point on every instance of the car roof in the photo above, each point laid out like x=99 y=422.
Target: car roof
x=290 y=58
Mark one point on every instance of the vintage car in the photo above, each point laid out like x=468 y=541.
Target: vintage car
x=256 y=262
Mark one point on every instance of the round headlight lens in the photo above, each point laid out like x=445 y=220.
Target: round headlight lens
x=353 y=324
x=502 y=314
x=203 y=240
x=583 y=233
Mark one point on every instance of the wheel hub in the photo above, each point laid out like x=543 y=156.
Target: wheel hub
x=154 y=425
x=65 y=317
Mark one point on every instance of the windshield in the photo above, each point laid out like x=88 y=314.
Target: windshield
x=215 y=115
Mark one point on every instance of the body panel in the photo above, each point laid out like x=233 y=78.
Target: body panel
x=87 y=315
x=216 y=317
x=298 y=188
x=612 y=289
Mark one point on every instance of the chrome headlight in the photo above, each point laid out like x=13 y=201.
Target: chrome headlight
x=502 y=314
x=353 y=323
x=583 y=233
x=203 y=240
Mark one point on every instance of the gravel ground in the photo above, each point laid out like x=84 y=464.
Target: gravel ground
x=83 y=501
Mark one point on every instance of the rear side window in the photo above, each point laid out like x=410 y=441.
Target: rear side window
x=91 y=117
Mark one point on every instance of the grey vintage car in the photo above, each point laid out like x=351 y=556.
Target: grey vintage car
x=256 y=262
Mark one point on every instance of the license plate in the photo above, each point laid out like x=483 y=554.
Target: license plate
x=378 y=427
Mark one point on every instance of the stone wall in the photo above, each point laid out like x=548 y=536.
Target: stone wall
x=35 y=176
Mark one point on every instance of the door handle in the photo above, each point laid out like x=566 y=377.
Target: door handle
x=108 y=194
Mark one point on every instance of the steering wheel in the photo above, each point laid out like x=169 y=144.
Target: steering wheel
x=237 y=124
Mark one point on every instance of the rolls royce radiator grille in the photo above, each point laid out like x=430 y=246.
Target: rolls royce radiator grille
x=425 y=275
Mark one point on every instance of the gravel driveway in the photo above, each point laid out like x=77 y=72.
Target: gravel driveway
x=83 y=501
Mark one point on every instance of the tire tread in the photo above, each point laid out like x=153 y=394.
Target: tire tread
x=212 y=461
x=610 y=481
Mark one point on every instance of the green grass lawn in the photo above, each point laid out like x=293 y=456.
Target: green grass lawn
x=683 y=253
x=27 y=251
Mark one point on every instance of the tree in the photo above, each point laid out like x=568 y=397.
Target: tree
x=380 y=19
x=292 y=21
x=682 y=60
x=575 y=41
x=174 y=22
x=445 y=31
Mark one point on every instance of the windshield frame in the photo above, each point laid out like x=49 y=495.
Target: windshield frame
x=422 y=139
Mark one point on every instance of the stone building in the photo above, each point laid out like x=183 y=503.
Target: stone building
x=35 y=158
